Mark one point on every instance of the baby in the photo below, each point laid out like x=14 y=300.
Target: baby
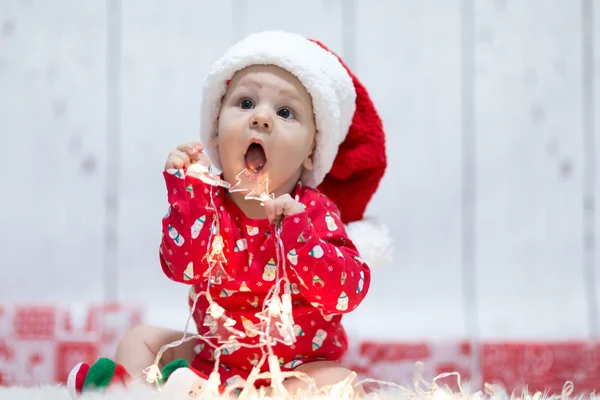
x=290 y=114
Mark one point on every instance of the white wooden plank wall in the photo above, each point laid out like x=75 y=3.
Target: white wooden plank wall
x=413 y=75
x=529 y=169
x=592 y=126
x=491 y=111
x=165 y=55
x=53 y=150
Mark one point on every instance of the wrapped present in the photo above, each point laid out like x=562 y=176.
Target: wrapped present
x=41 y=344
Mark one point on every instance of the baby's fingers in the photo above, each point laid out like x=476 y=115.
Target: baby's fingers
x=178 y=160
x=174 y=163
x=192 y=149
x=270 y=210
x=281 y=206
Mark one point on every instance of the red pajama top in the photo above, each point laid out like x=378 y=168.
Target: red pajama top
x=327 y=276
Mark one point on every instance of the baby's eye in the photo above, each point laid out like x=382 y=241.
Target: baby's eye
x=246 y=104
x=285 y=113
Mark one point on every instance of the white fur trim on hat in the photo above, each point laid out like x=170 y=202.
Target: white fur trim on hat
x=321 y=73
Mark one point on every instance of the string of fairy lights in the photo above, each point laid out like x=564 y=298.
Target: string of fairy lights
x=276 y=320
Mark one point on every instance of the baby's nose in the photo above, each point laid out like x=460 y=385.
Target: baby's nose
x=261 y=121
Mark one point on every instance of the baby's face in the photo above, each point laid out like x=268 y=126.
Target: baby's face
x=266 y=124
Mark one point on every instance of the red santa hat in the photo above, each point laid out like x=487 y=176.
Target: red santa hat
x=349 y=158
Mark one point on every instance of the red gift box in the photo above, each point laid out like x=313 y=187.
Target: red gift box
x=41 y=344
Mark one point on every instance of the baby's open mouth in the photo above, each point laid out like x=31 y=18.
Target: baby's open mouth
x=255 y=157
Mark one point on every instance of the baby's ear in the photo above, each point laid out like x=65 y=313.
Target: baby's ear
x=214 y=142
x=308 y=162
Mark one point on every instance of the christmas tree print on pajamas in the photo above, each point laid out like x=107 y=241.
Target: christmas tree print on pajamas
x=327 y=276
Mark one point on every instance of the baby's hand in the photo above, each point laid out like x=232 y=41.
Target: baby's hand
x=283 y=206
x=185 y=155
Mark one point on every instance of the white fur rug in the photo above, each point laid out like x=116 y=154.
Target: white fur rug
x=432 y=393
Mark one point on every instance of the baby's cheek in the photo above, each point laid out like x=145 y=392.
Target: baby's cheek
x=226 y=141
x=301 y=142
x=226 y=132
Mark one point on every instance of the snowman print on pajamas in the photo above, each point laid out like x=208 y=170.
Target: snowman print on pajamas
x=197 y=226
x=316 y=281
x=298 y=331
x=316 y=252
x=188 y=274
x=342 y=304
x=241 y=245
x=330 y=222
x=361 y=282
x=232 y=346
x=292 y=364
x=293 y=257
x=291 y=288
x=318 y=340
x=177 y=238
x=270 y=271
x=252 y=230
